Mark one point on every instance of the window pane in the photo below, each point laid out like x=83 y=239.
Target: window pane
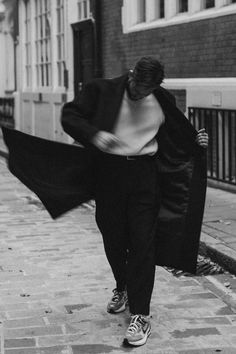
x=159 y=9
x=85 y=9
x=60 y=38
x=162 y=8
x=141 y=11
x=58 y=20
x=80 y=10
x=183 y=5
x=59 y=47
x=63 y=46
x=209 y=4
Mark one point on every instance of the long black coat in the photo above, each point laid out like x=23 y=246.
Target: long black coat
x=62 y=175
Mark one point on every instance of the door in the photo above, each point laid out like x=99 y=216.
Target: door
x=84 y=53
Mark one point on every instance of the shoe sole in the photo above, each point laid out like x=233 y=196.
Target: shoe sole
x=141 y=341
x=121 y=309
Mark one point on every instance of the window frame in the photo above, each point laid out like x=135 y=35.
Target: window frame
x=43 y=44
x=80 y=8
x=27 y=43
x=60 y=43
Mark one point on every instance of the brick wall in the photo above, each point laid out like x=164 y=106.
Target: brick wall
x=205 y=48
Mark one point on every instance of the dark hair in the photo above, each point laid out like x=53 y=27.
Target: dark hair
x=149 y=70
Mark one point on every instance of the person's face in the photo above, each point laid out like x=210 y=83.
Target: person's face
x=139 y=90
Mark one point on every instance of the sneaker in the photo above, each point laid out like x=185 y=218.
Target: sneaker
x=138 y=331
x=118 y=301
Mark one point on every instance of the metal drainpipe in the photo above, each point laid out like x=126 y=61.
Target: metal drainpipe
x=98 y=42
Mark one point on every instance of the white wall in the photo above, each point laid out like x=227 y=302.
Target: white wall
x=206 y=92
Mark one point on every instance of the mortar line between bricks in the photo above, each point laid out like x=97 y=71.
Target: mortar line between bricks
x=41 y=335
x=19 y=348
x=39 y=326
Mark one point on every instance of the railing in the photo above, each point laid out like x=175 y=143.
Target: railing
x=220 y=124
x=7 y=112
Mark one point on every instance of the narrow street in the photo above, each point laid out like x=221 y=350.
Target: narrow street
x=55 y=283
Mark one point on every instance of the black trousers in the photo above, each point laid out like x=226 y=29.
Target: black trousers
x=126 y=212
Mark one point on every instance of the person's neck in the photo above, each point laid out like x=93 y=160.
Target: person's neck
x=129 y=91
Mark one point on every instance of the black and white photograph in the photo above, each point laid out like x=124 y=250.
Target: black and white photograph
x=117 y=176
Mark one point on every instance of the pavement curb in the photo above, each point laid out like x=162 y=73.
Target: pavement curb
x=218 y=252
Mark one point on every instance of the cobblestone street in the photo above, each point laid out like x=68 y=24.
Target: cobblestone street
x=55 y=283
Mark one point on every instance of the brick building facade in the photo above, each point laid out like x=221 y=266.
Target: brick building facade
x=197 y=49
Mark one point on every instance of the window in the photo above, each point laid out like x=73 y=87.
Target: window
x=43 y=43
x=139 y=15
x=159 y=9
x=60 y=41
x=83 y=9
x=183 y=6
x=27 y=25
x=207 y=4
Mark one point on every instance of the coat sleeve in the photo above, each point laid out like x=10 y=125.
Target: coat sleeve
x=77 y=116
x=170 y=96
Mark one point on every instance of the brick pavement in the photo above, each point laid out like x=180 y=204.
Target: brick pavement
x=55 y=283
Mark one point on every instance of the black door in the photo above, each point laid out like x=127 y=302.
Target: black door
x=84 y=53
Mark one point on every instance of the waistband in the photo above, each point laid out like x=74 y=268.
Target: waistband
x=127 y=158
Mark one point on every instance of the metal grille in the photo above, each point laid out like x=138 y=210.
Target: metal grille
x=7 y=112
x=220 y=124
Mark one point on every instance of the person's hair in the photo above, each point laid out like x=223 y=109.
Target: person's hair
x=149 y=71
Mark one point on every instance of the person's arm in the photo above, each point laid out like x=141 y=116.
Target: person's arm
x=77 y=115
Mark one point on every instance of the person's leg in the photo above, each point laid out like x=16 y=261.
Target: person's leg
x=142 y=216
x=111 y=216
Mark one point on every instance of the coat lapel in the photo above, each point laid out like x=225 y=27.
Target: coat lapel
x=113 y=95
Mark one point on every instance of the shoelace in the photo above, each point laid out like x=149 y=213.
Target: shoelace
x=117 y=296
x=135 y=324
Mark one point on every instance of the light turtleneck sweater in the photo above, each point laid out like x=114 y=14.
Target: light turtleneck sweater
x=137 y=125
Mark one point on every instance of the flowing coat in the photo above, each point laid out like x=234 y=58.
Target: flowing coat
x=62 y=175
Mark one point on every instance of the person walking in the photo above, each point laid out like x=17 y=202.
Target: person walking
x=144 y=152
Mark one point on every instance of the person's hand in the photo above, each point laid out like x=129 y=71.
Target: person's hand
x=104 y=140
x=202 y=138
